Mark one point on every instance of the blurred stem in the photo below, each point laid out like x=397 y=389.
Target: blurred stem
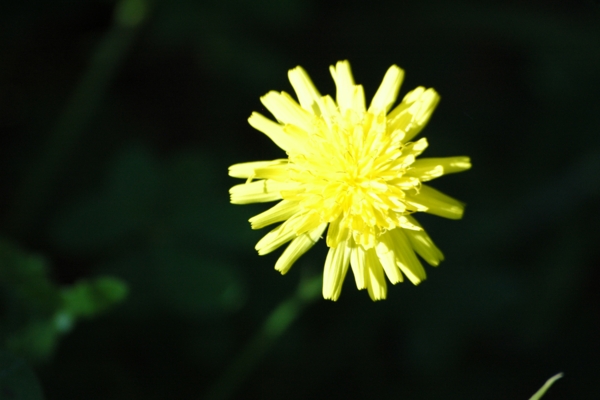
x=36 y=185
x=273 y=327
x=538 y=395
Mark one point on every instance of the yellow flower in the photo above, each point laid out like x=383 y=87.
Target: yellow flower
x=353 y=170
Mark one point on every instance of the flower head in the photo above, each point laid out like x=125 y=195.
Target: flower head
x=351 y=170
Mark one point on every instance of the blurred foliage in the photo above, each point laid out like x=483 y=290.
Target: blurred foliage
x=120 y=119
x=37 y=312
x=150 y=221
x=17 y=380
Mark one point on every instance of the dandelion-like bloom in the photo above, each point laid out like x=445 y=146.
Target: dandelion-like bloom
x=353 y=171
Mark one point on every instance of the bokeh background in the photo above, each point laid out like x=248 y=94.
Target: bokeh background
x=126 y=274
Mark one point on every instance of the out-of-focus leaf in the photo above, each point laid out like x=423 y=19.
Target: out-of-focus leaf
x=127 y=204
x=197 y=210
x=178 y=202
x=24 y=278
x=17 y=380
x=30 y=301
x=130 y=13
x=195 y=285
x=35 y=341
x=37 y=311
x=178 y=281
x=89 y=298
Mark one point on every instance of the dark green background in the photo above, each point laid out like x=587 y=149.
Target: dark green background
x=116 y=138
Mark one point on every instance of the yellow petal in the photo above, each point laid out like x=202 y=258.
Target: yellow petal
x=275 y=172
x=368 y=272
x=388 y=91
x=408 y=223
x=312 y=221
x=308 y=95
x=273 y=130
x=387 y=257
x=423 y=244
x=413 y=113
x=415 y=148
x=426 y=169
x=336 y=266
x=298 y=135
x=408 y=262
x=344 y=83
x=280 y=235
x=259 y=191
x=423 y=109
x=375 y=279
x=330 y=111
x=279 y=212
x=437 y=203
x=297 y=248
x=401 y=116
x=358 y=100
x=285 y=109
x=359 y=267
x=247 y=169
x=336 y=233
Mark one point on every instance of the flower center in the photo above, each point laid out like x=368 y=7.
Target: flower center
x=350 y=173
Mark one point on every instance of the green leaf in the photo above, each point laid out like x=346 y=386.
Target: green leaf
x=30 y=303
x=23 y=278
x=37 y=311
x=35 y=341
x=88 y=298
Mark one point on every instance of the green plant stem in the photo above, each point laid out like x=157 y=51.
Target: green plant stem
x=38 y=180
x=538 y=395
x=274 y=326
